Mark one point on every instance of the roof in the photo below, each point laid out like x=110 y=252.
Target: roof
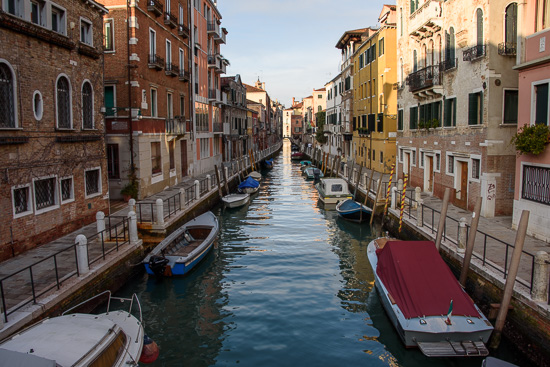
x=420 y=290
x=320 y=90
x=348 y=36
x=251 y=89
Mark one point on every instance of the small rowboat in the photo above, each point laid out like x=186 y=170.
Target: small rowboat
x=353 y=211
x=249 y=186
x=256 y=175
x=235 y=200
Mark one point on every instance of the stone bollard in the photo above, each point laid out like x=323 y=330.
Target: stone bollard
x=160 y=212
x=132 y=205
x=82 y=254
x=540 y=277
x=345 y=170
x=400 y=185
x=197 y=189
x=133 y=228
x=226 y=174
x=420 y=213
x=100 y=221
x=393 y=197
x=182 y=196
x=462 y=235
x=416 y=197
x=209 y=182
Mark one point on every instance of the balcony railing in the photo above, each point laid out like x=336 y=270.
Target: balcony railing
x=213 y=28
x=473 y=53
x=536 y=184
x=507 y=49
x=170 y=20
x=217 y=127
x=183 y=30
x=155 y=7
x=213 y=60
x=213 y=94
x=171 y=69
x=424 y=78
x=156 y=62
x=175 y=126
x=448 y=64
x=185 y=76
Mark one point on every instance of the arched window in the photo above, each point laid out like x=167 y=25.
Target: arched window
x=87 y=106
x=7 y=97
x=431 y=52
x=511 y=24
x=424 y=61
x=63 y=103
x=450 y=48
x=415 y=61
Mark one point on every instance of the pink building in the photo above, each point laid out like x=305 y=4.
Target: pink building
x=532 y=185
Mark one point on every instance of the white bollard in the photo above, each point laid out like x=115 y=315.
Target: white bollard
x=182 y=197
x=100 y=221
x=540 y=277
x=400 y=185
x=462 y=235
x=133 y=228
x=393 y=197
x=82 y=254
x=419 y=214
x=132 y=205
x=416 y=196
x=197 y=189
x=209 y=182
x=160 y=212
x=226 y=174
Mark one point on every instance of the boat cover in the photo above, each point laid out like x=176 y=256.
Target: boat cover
x=420 y=282
x=269 y=162
x=249 y=183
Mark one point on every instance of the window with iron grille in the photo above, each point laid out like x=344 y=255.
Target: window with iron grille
x=414 y=157
x=7 y=105
x=67 y=192
x=476 y=168
x=451 y=164
x=156 y=162
x=45 y=193
x=171 y=154
x=21 y=200
x=87 y=106
x=92 y=182
x=536 y=184
x=437 y=162
x=63 y=103
x=113 y=161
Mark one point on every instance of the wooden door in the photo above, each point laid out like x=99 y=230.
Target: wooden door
x=462 y=194
x=430 y=174
x=183 y=145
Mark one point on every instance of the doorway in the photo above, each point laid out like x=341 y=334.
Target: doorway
x=183 y=146
x=429 y=174
x=461 y=185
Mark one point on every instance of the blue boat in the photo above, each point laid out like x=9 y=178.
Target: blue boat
x=305 y=164
x=184 y=248
x=268 y=163
x=353 y=211
x=249 y=186
x=313 y=173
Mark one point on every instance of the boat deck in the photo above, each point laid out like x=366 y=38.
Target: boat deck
x=183 y=248
x=187 y=241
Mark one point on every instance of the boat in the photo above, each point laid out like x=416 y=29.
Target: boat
x=333 y=190
x=184 y=248
x=304 y=165
x=495 y=362
x=296 y=156
x=113 y=338
x=424 y=301
x=256 y=175
x=353 y=211
x=249 y=186
x=313 y=173
x=268 y=163
x=235 y=200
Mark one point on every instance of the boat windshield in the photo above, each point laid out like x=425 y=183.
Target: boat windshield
x=336 y=188
x=110 y=355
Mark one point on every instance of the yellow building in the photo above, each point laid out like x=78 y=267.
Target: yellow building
x=375 y=95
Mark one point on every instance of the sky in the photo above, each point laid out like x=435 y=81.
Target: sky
x=290 y=44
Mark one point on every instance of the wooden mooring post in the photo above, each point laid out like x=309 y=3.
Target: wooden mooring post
x=442 y=217
x=471 y=242
x=374 y=204
x=220 y=191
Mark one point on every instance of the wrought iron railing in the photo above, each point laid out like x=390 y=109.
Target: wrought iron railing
x=156 y=61
x=154 y=6
x=507 y=49
x=424 y=78
x=473 y=53
x=170 y=19
x=448 y=64
x=536 y=184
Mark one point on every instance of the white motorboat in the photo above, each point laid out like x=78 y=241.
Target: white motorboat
x=333 y=190
x=235 y=200
x=113 y=338
x=256 y=175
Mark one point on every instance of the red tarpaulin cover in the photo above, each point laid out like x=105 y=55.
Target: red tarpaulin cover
x=419 y=280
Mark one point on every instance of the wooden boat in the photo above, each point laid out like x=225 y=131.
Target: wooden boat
x=256 y=175
x=114 y=338
x=333 y=190
x=184 y=248
x=313 y=173
x=296 y=156
x=235 y=200
x=268 y=163
x=353 y=211
x=249 y=186
x=424 y=301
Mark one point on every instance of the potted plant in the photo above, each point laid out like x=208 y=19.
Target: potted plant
x=132 y=188
x=531 y=139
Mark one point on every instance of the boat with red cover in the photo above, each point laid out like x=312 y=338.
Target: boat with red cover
x=426 y=304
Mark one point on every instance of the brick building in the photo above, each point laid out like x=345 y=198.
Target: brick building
x=234 y=117
x=52 y=157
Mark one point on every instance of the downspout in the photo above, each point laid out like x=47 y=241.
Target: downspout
x=129 y=76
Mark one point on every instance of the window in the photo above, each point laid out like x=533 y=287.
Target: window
x=511 y=24
x=542 y=14
x=87 y=106
x=400 y=120
x=381 y=47
x=361 y=61
x=450 y=112
x=153 y=103
x=476 y=168
x=15 y=7
x=414 y=6
x=450 y=48
x=437 y=162
x=401 y=21
x=171 y=154
x=169 y=106
x=413 y=121
x=7 y=97
x=475 y=108
x=58 y=20
x=535 y=184
x=37 y=105
x=156 y=160
x=113 y=171
x=38 y=12
x=67 y=191
x=381 y=157
x=152 y=46
x=510 y=107
x=182 y=62
x=182 y=106
x=86 y=32
x=380 y=123
x=92 y=180
x=109 y=32
x=451 y=164
x=421 y=162
x=64 y=108
x=45 y=193
x=21 y=197
x=413 y=158
x=415 y=61
x=479 y=21
x=541 y=103
x=319 y=96
x=110 y=109
x=168 y=53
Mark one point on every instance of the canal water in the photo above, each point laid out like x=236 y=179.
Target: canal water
x=288 y=284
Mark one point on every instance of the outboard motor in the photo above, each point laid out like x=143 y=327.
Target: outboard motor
x=157 y=264
x=316 y=174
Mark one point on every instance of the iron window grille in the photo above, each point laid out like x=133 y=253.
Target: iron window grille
x=536 y=184
x=66 y=189
x=92 y=182
x=63 y=104
x=21 y=200
x=87 y=106
x=7 y=106
x=44 y=193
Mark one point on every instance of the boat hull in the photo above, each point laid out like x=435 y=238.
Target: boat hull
x=353 y=211
x=235 y=200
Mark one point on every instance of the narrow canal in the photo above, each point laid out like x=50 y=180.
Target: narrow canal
x=288 y=284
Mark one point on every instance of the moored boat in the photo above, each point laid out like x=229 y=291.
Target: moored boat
x=256 y=175
x=268 y=163
x=424 y=301
x=305 y=164
x=353 y=211
x=249 y=186
x=184 y=248
x=114 y=338
x=333 y=190
x=296 y=156
x=235 y=200
x=313 y=173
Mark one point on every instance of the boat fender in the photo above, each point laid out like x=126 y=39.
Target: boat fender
x=150 y=351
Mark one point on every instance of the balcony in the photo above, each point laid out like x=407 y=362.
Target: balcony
x=213 y=95
x=221 y=68
x=156 y=62
x=213 y=28
x=213 y=60
x=183 y=31
x=427 y=79
x=170 y=20
x=175 y=126
x=221 y=38
x=171 y=69
x=217 y=127
x=155 y=7
x=184 y=76
x=426 y=20
x=448 y=64
x=473 y=53
x=507 y=49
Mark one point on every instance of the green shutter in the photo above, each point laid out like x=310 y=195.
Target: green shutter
x=472 y=109
x=454 y=111
x=541 y=104
x=400 y=120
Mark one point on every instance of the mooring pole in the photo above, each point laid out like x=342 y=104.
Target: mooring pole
x=471 y=242
x=442 y=217
x=219 y=182
x=510 y=279
x=378 y=191
x=225 y=181
x=332 y=166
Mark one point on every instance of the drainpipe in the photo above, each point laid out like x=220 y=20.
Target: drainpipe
x=130 y=126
